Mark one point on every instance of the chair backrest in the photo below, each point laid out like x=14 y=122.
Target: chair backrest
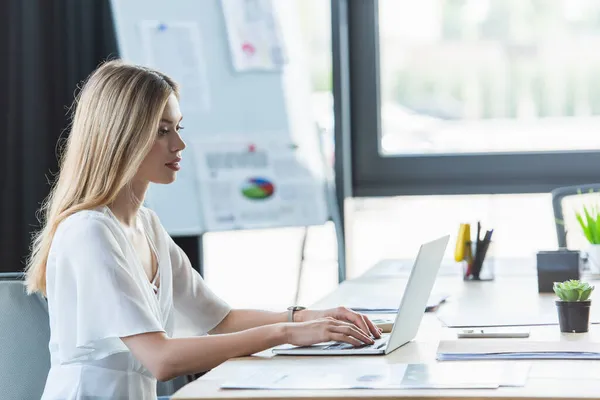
x=558 y=195
x=24 y=337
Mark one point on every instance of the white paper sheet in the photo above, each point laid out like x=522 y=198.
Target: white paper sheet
x=519 y=356
x=175 y=48
x=319 y=378
x=247 y=184
x=463 y=374
x=254 y=35
x=496 y=319
x=390 y=376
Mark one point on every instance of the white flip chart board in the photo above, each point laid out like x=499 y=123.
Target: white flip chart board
x=252 y=158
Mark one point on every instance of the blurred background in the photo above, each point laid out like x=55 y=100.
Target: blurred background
x=456 y=76
x=458 y=111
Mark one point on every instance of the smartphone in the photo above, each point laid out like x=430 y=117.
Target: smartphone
x=494 y=332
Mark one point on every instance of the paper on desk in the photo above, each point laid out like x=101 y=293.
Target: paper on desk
x=492 y=349
x=386 y=303
x=326 y=377
x=499 y=319
x=514 y=315
x=442 y=375
x=402 y=268
x=391 y=376
x=518 y=356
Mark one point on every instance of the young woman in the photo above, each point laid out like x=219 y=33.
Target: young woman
x=126 y=307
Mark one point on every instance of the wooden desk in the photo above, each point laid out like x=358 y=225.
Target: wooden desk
x=548 y=379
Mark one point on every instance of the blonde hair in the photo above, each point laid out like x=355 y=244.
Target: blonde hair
x=114 y=125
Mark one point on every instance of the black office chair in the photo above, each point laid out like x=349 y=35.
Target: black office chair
x=558 y=195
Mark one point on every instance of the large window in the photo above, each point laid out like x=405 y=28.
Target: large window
x=473 y=96
x=393 y=228
x=461 y=76
x=315 y=23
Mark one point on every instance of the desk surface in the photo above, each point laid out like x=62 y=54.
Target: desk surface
x=548 y=379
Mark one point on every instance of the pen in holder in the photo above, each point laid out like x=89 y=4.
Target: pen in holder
x=479 y=266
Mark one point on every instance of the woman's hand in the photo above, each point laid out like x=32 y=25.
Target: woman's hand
x=342 y=314
x=325 y=330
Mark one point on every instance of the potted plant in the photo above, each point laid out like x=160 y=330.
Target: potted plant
x=574 y=305
x=589 y=221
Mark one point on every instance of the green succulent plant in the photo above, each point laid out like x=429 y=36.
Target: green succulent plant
x=573 y=290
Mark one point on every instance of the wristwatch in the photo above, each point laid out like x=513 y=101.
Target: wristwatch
x=292 y=310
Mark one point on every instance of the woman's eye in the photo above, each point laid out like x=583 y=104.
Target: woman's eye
x=162 y=132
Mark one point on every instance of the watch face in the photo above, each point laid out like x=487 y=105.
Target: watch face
x=296 y=308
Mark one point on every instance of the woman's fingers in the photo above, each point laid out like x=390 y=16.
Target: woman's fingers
x=351 y=330
x=340 y=337
x=375 y=330
x=362 y=324
x=354 y=318
x=339 y=322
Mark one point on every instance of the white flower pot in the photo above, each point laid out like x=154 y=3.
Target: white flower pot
x=593 y=258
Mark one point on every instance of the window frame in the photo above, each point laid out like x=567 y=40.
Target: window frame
x=367 y=173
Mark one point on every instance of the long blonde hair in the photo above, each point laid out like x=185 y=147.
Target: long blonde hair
x=114 y=126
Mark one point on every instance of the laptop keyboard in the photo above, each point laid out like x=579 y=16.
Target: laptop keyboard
x=379 y=344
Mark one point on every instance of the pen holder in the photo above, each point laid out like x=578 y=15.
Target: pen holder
x=481 y=267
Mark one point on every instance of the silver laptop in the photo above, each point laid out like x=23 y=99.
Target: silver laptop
x=410 y=312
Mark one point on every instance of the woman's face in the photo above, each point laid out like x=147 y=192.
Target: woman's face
x=162 y=163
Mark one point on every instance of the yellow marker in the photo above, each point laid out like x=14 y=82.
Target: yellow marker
x=462 y=251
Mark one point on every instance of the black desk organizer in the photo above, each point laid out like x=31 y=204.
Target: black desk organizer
x=556 y=266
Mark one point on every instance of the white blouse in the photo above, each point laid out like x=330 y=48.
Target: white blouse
x=98 y=292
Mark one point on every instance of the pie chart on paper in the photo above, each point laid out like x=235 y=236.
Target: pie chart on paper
x=258 y=189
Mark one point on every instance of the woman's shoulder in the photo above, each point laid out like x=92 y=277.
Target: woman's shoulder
x=84 y=220
x=83 y=231
x=152 y=218
x=158 y=231
x=149 y=214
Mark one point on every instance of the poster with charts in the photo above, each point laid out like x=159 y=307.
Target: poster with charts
x=254 y=35
x=257 y=183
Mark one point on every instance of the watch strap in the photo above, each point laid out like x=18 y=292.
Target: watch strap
x=292 y=310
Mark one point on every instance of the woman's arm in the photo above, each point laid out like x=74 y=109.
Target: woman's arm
x=167 y=358
x=239 y=320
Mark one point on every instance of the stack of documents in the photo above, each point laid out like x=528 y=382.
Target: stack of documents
x=382 y=376
x=501 y=349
